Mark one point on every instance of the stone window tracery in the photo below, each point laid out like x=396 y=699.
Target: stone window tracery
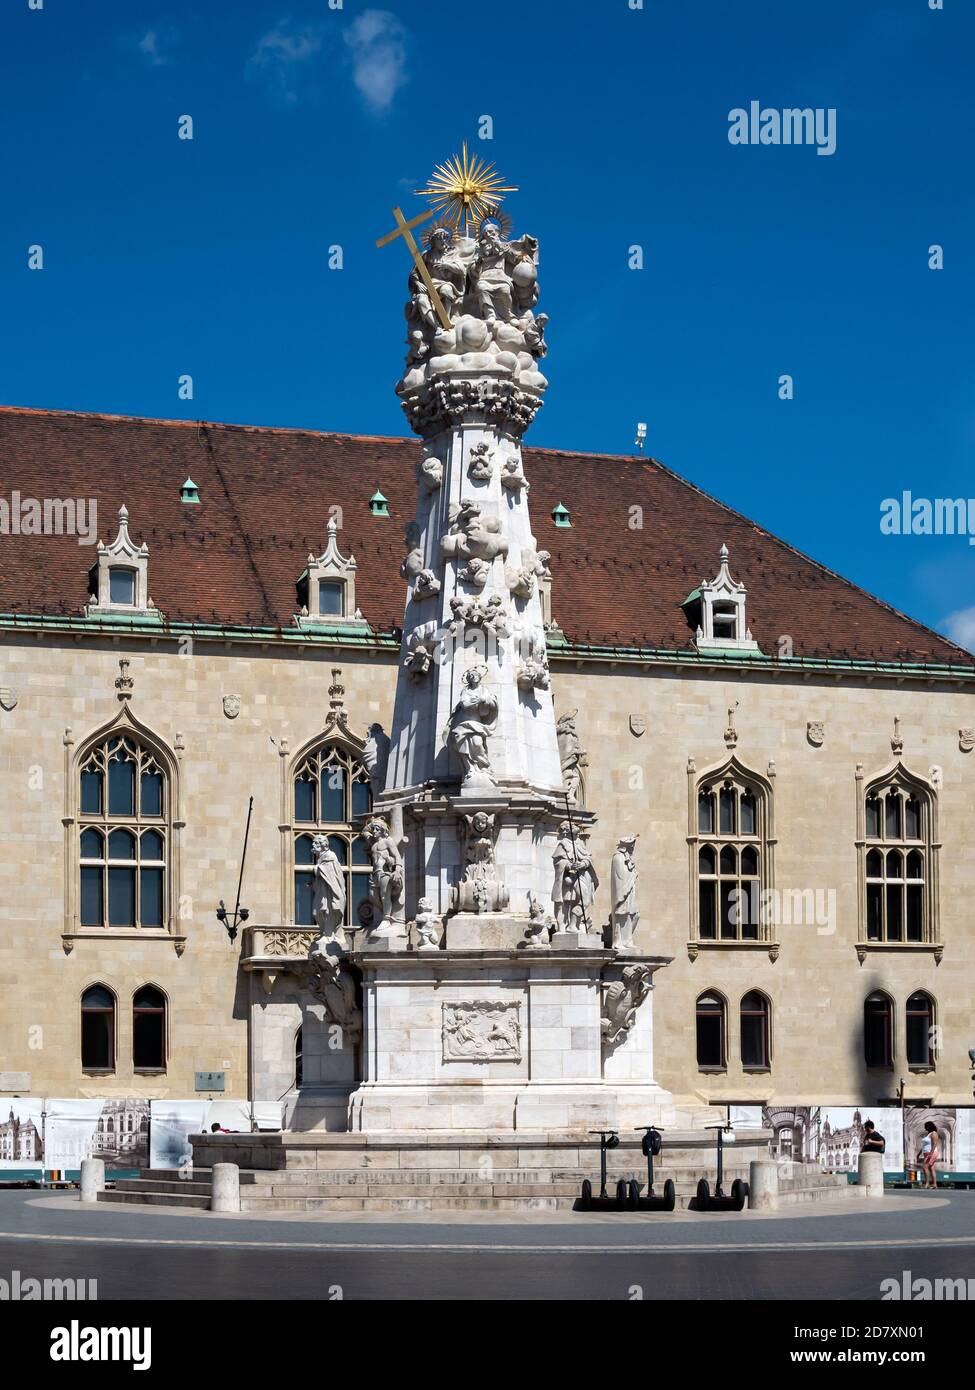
x=124 y=834
x=731 y=844
x=330 y=791
x=898 y=861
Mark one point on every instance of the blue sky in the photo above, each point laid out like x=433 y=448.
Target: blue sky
x=210 y=257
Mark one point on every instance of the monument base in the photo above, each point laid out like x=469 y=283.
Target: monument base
x=477 y=1107
x=507 y=1039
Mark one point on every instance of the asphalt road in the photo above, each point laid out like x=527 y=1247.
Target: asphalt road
x=156 y=1255
x=230 y=1272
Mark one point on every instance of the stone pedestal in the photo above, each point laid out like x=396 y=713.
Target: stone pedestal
x=489 y=1039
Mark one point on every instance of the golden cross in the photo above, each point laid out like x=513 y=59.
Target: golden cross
x=405 y=230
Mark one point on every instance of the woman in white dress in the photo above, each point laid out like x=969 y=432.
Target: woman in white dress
x=929 y=1154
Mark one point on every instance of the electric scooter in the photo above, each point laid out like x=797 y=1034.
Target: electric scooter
x=717 y=1201
x=608 y=1139
x=652 y=1145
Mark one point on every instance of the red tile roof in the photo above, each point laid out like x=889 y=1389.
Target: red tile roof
x=265 y=495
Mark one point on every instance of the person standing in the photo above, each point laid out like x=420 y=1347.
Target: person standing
x=873 y=1140
x=929 y=1154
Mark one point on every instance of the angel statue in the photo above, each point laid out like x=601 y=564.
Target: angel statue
x=474 y=719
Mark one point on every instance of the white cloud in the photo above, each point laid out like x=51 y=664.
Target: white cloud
x=960 y=627
x=280 y=55
x=153 y=45
x=377 y=44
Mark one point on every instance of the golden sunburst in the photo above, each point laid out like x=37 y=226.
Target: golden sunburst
x=465 y=190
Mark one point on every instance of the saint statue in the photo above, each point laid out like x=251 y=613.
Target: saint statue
x=503 y=275
x=386 y=880
x=449 y=275
x=623 y=881
x=375 y=756
x=471 y=724
x=572 y=755
x=574 y=889
x=328 y=895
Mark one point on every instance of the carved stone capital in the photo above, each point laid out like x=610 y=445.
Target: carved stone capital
x=445 y=401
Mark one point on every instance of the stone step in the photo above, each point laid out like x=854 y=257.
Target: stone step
x=293 y=1151
x=353 y=1176
x=199 y=1187
x=451 y=1177
x=184 y=1175
x=412 y=1203
x=391 y=1197
x=156 y=1199
x=312 y=1191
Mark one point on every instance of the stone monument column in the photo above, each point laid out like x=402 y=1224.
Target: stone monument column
x=499 y=1007
x=474 y=757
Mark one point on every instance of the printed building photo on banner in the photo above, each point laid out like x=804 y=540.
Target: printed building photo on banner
x=841 y=1134
x=116 y=1130
x=122 y=1133
x=956 y=1137
x=965 y=1141
x=173 y=1121
x=795 y=1132
x=21 y=1139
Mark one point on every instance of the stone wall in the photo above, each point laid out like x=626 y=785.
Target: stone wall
x=283 y=695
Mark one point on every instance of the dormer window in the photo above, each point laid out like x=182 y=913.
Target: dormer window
x=331 y=597
x=717 y=612
x=326 y=589
x=121 y=586
x=120 y=578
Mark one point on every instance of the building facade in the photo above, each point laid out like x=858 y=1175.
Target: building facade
x=796 y=759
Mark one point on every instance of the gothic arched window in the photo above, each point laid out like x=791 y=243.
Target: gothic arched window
x=920 y=1031
x=124 y=834
x=711 y=1013
x=878 y=1030
x=898 y=861
x=755 y=1016
x=98 y=1029
x=731 y=844
x=330 y=789
x=149 y=1029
